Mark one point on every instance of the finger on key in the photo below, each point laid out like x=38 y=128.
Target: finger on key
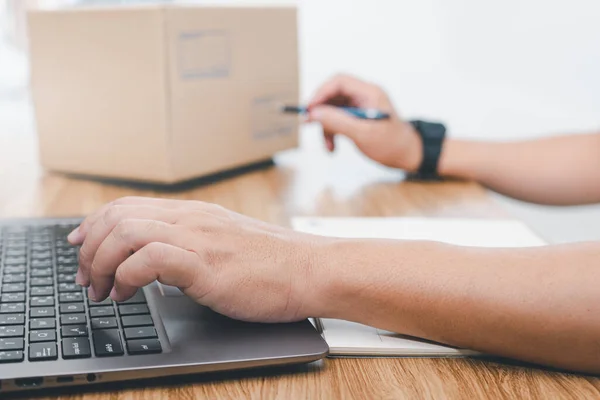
x=103 y=226
x=162 y=262
x=125 y=239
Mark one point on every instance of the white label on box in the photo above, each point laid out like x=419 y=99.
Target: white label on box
x=204 y=54
x=268 y=121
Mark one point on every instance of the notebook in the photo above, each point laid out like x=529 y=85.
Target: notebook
x=356 y=340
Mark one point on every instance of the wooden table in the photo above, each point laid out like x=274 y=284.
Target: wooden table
x=304 y=182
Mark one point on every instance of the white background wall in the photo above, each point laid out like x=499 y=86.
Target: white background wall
x=491 y=70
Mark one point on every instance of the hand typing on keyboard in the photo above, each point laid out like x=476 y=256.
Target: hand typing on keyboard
x=238 y=266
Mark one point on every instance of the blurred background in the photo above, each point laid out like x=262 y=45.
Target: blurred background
x=491 y=70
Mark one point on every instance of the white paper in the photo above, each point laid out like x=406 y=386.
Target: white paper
x=462 y=232
x=353 y=339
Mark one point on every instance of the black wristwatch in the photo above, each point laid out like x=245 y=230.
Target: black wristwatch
x=432 y=135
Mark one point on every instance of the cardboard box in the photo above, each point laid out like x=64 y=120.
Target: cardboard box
x=162 y=93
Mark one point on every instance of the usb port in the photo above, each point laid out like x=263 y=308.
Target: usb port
x=64 y=379
x=29 y=382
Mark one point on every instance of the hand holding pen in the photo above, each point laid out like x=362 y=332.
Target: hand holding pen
x=364 y=113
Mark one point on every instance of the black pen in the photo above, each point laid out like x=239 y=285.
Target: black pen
x=362 y=113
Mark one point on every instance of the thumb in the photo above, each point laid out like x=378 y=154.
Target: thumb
x=336 y=120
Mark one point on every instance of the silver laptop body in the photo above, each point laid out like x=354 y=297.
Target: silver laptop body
x=51 y=335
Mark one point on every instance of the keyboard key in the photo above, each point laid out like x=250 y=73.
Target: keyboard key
x=66 y=278
x=42 y=351
x=74 y=297
x=41 y=272
x=42 y=323
x=41 y=301
x=138 y=297
x=105 y=302
x=67 y=269
x=67 y=252
x=11 y=308
x=144 y=346
x=15 y=260
x=41 y=264
x=72 y=319
x=16 y=252
x=70 y=308
x=74 y=330
x=142 y=332
x=12 y=319
x=66 y=260
x=14 y=239
x=136 y=320
x=68 y=287
x=107 y=342
x=42 y=291
x=76 y=347
x=13 y=278
x=46 y=263
x=104 y=323
x=12 y=331
x=41 y=239
x=42 y=336
x=41 y=255
x=12 y=344
x=11 y=356
x=102 y=312
x=41 y=247
x=133 y=309
x=16 y=244
x=13 y=287
x=41 y=312
x=15 y=269
x=71 y=251
x=12 y=298
x=62 y=242
x=45 y=281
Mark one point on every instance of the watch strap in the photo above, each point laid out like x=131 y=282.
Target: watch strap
x=432 y=135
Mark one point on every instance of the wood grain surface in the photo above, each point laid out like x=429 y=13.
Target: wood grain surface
x=302 y=182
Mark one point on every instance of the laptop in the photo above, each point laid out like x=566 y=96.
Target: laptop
x=52 y=335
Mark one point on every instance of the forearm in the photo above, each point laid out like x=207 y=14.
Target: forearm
x=540 y=305
x=556 y=170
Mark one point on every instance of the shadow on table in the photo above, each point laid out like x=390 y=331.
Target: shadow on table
x=183 y=185
x=168 y=382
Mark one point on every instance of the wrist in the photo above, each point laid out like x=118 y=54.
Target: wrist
x=388 y=284
x=346 y=274
x=463 y=159
x=328 y=281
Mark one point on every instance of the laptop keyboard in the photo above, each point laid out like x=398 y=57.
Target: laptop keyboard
x=45 y=316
